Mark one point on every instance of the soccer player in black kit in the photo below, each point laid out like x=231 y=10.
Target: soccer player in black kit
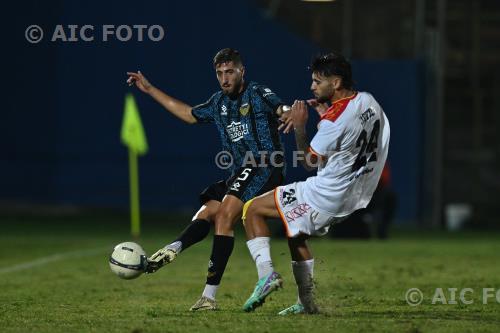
x=248 y=117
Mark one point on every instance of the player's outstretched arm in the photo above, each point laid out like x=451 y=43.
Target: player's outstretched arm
x=178 y=108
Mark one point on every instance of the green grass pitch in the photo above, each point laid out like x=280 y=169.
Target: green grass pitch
x=54 y=277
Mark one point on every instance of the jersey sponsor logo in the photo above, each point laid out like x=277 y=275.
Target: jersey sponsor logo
x=288 y=197
x=244 y=109
x=224 y=110
x=235 y=187
x=365 y=116
x=297 y=212
x=237 y=130
x=360 y=173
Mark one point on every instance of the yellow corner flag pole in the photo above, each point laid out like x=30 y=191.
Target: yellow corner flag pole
x=135 y=214
x=133 y=136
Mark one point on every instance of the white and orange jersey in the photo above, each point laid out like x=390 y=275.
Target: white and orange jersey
x=352 y=141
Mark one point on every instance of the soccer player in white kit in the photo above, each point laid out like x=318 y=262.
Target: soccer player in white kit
x=349 y=150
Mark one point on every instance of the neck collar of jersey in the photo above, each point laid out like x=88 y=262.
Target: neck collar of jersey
x=336 y=109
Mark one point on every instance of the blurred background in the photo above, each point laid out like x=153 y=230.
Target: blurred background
x=433 y=66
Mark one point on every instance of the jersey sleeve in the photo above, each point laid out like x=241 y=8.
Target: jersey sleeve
x=204 y=113
x=324 y=143
x=268 y=98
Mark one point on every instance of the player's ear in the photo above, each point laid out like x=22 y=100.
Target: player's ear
x=336 y=82
x=242 y=69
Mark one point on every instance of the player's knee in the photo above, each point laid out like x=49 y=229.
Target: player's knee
x=207 y=214
x=210 y=217
x=248 y=209
x=298 y=242
x=224 y=219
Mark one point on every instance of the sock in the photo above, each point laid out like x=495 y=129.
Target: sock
x=196 y=231
x=221 y=251
x=210 y=291
x=176 y=246
x=260 y=249
x=303 y=271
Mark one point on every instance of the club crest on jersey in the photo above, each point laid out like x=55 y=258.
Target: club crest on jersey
x=223 y=110
x=237 y=130
x=244 y=109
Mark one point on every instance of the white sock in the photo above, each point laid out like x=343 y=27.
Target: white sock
x=176 y=246
x=260 y=249
x=210 y=291
x=303 y=271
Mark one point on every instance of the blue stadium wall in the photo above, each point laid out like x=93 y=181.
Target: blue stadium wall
x=63 y=104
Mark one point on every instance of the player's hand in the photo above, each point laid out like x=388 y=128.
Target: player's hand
x=299 y=114
x=286 y=122
x=319 y=107
x=139 y=80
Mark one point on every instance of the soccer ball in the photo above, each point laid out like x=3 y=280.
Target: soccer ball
x=127 y=260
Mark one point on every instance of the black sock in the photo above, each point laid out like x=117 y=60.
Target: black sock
x=221 y=251
x=194 y=232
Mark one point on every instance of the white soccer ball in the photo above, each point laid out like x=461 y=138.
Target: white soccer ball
x=127 y=260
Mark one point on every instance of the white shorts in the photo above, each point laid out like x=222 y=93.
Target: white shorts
x=298 y=216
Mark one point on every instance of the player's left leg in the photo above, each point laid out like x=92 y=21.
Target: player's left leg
x=303 y=271
x=227 y=215
x=254 y=217
x=303 y=261
x=245 y=184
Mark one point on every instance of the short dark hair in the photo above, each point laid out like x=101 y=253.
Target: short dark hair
x=333 y=64
x=227 y=55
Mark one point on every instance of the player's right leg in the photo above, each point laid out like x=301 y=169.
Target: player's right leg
x=210 y=199
x=254 y=217
x=196 y=231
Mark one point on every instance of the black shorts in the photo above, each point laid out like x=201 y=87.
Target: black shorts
x=245 y=184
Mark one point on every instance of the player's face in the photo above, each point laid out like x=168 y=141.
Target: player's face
x=323 y=87
x=230 y=77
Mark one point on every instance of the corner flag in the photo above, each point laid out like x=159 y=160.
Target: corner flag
x=133 y=136
x=132 y=133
